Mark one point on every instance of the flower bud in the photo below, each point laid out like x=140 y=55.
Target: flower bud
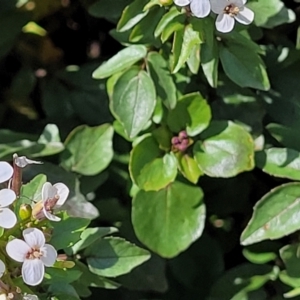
x=166 y=2
x=182 y=135
x=25 y=211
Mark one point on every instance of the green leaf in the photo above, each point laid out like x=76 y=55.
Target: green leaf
x=132 y=15
x=209 y=54
x=225 y=150
x=293 y=293
x=63 y=291
x=47 y=144
x=242 y=65
x=290 y=256
x=143 y=32
x=104 y=9
x=183 y=44
x=174 y=25
x=133 y=100
x=158 y=173
x=193 y=61
x=9 y=136
x=239 y=281
x=288 y=280
x=67 y=232
x=192 y=113
x=121 y=61
x=32 y=191
x=165 y=20
x=164 y=83
x=269 y=14
x=90 y=235
x=90 y=279
x=51 y=139
x=163 y=136
x=169 y=220
x=279 y=162
x=143 y=153
x=112 y=256
x=261 y=257
x=53 y=275
x=188 y=167
x=286 y=135
x=88 y=149
x=275 y=215
x=148 y=168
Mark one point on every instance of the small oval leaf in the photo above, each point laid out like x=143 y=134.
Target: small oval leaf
x=133 y=100
x=226 y=150
x=169 y=220
x=279 y=162
x=275 y=215
x=122 y=60
x=88 y=149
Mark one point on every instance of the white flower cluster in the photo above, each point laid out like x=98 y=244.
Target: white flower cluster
x=31 y=251
x=227 y=10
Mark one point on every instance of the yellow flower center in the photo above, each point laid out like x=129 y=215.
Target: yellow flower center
x=231 y=10
x=34 y=253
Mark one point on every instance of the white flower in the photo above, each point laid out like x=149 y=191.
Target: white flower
x=230 y=10
x=199 y=8
x=8 y=218
x=33 y=253
x=53 y=197
x=6 y=171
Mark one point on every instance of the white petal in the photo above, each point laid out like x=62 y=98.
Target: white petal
x=48 y=191
x=7 y=197
x=2 y=268
x=245 y=16
x=238 y=3
x=33 y=271
x=200 y=8
x=8 y=218
x=224 y=23
x=244 y=1
x=63 y=193
x=50 y=255
x=50 y=217
x=6 y=171
x=217 y=6
x=182 y=2
x=34 y=237
x=17 y=250
x=23 y=161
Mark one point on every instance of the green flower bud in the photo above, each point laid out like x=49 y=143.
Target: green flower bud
x=166 y=2
x=25 y=211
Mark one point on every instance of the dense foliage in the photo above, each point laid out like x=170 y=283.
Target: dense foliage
x=172 y=131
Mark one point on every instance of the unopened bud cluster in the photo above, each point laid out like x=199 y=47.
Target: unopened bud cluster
x=180 y=142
